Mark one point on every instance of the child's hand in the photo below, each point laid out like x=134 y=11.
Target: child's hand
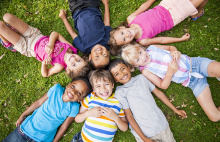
x=181 y=113
x=20 y=120
x=105 y=2
x=110 y=113
x=49 y=49
x=173 y=67
x=94 y=112
x=62 y=14
x=175 y=55
x=185 y=37
x=47 y=61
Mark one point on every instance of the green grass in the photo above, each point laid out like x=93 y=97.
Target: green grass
x=21 y=82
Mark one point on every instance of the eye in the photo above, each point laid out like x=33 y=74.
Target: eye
x=122 y=33
x=137 y=60
x=140 y=52
x=122 y=68
x=79 y=60
x=107 y=84
x=116 y=74
x=97 y=86
x=79 y=93
x=74 y=65
x=104 y=54
x=124 y=40
x=73 y=86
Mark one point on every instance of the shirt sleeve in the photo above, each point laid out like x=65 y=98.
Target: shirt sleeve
x=52 y=89
x=121 y=96
x=121 y=113
x=77 y=42
x=74 y=110
x=151 y=85
x=108 y=29
x=85 y=102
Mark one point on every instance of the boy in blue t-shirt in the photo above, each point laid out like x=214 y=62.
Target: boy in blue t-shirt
x=58 y=106
x=93 y=32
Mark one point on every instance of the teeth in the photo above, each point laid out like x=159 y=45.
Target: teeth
x=104 y=94
x=70 y=95
x=124 y=77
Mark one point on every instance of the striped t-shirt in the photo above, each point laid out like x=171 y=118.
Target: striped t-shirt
x=99 y=129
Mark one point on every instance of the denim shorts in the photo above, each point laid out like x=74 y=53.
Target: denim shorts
x=199 y=65
x=17 y=136
x=77 y=137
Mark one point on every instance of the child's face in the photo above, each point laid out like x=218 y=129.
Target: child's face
x=124 y=35
x=121 y=73
x=103 y=88
x=143 y=59
x=74 y=62
x=75 y=91
x=99 y=55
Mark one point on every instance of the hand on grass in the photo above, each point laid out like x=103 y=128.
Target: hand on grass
x=20 y=120
x=94 y=112
x=175 y=55
x=185 y=37
x=47 y=61
x=62 y=14
x=181 y=113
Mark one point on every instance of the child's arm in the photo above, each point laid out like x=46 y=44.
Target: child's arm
x=163 y=40
x=135 y=126
x=121 y=122
x=30 y=109
x=63 y=128
x=159 y=94
x=165 y=83
x=85 y=113
x=141 y=9
x=69 y=28
x=107 y=14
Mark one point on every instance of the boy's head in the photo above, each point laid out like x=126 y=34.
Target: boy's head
x=77 y=67
x=99 y=57
x=120 y=70
x=135 y=55
x=102 y=83
x=77 y=90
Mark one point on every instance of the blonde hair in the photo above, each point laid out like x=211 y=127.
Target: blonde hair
x=130 y=52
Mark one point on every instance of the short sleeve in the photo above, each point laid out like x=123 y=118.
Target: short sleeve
x=120 y=95
x=77 y=42
x=85 y=102
x=108 y=29
x=74 y=110
x=52 y=89
x=151 y=85
x=121 y=113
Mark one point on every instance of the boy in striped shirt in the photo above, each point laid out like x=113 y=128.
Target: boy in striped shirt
x=100 y=110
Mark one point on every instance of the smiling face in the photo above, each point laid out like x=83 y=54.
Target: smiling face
x=99 y=55
x=143 y=58
x=103 y=88
x=74 y=62
x=75 y=91
x=124 y=35
x=121 y=73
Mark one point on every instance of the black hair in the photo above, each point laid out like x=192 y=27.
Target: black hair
x=113 y=63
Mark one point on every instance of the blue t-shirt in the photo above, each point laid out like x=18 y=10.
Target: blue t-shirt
x=43 y=123
x=88 y=22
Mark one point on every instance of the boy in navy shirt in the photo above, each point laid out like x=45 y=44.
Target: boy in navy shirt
x=58 y=106
x=93 y=32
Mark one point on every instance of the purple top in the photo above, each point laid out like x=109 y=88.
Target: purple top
x=153 y=22
x=59 y=51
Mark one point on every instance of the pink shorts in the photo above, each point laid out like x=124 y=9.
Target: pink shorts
x=27 y=42
x=179 y=9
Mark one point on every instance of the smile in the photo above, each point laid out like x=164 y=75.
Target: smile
x=70 y=95
x=99 y=48
x=104 y=94
x=124 y=77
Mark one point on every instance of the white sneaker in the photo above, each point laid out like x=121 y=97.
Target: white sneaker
x=218 y=78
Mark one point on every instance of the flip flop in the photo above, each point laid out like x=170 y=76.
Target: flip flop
x=194 y=19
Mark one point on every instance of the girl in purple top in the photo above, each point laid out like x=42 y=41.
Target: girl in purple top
x=145 y=25
x=55 y=50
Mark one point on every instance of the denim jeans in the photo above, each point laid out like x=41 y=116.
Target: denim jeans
x=17 y=136
x=77 y=137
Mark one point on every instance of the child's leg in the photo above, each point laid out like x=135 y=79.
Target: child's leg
x=199 y=4
x=207 y=104
x=16 y=23
x=214 y=69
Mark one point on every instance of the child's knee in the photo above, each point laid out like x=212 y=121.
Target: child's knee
x=7 y=17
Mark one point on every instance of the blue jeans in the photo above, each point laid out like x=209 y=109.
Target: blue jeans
x=77 y=137
x=17 y=136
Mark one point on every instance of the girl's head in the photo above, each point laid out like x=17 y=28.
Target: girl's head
x=77 y=66
x=135 y=55
x=120 y=36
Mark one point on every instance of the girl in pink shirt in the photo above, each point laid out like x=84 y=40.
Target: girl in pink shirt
x=144 y=25
x=55 y=50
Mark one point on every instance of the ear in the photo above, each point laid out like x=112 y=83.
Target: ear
x=90 y=57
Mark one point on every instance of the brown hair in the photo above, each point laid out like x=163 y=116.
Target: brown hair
x=100 y=74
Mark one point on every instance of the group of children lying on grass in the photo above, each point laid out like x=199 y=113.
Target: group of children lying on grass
x=102 y=110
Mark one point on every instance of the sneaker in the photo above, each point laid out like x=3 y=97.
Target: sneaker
x=218 y=78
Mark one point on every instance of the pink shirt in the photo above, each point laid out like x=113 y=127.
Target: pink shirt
x=59 y=51
x=153 y=22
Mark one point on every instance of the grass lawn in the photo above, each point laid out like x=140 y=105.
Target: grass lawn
x=21 y=82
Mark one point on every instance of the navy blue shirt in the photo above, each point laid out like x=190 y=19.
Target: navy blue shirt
x=88 y=22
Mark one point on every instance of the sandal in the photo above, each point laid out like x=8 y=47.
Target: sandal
x=194 y=19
